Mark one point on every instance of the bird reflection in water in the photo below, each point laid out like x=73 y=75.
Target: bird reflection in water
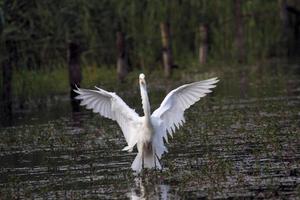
x=144 y=189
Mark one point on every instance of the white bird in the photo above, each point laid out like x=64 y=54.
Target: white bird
x=149 y=131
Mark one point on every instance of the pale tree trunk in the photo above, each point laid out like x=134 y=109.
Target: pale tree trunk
x=239 y=42
x=75 y=77
x=203 y=30
x=167 y=52
x=122 y=63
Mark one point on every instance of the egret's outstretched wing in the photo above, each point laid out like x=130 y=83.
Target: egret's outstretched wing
x=178 y=100
x=111 y=106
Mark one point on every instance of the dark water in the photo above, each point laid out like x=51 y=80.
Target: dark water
x=238 y=143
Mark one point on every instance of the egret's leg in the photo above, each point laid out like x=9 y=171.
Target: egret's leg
x=143 y=161
x=154 y=156
x=157 y=158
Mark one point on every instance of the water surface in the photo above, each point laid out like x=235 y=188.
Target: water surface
x=243 y=141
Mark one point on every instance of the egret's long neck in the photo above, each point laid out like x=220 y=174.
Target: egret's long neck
x=145 y=102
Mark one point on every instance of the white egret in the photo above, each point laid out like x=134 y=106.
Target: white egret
x=149 y=131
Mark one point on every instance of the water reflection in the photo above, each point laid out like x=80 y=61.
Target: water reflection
x=76 y=119
x=145 y=189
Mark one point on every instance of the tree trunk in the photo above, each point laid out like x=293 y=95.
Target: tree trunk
x=7 y=85
x=167 y=53
x=239 y=42
x=7 y=89
x=203 y=44
x=294 y=25
x=7 y=72
x=283 y=14
x=122 y=64
x=75 y=76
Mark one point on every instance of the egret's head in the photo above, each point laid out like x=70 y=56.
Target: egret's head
x=142 y=79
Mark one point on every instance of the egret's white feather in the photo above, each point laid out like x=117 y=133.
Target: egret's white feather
x=178 y=100
x=150 y=131
x=111 y=106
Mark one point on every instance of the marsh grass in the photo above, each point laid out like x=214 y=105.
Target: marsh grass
x=38 y=85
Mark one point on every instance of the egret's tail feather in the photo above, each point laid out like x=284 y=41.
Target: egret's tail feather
x=148 y=162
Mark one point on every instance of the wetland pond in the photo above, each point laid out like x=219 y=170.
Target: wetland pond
x=242 y=141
